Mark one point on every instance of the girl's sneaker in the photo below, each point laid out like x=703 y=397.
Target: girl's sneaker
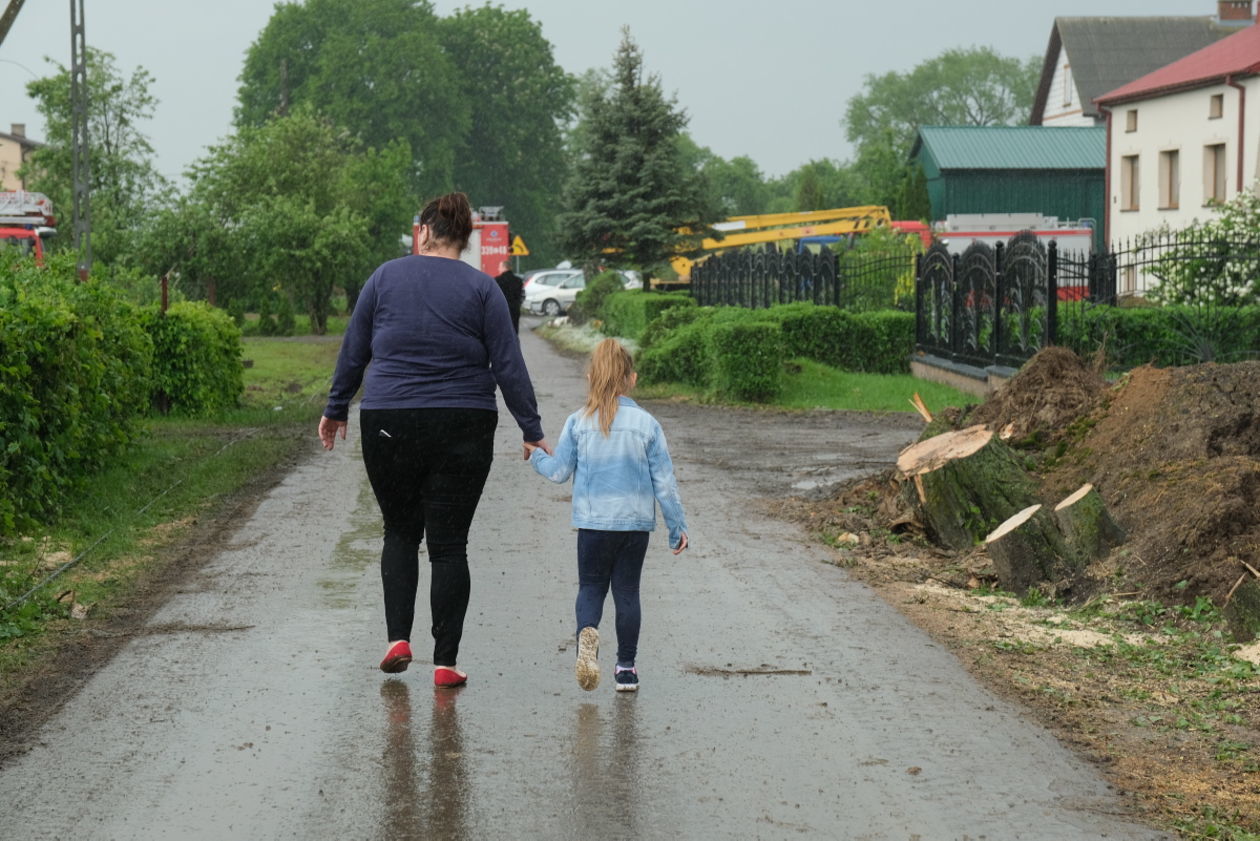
x=627 y=680
x=587 y=668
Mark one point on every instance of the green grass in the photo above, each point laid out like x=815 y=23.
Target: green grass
x=812 y=385
x=179 y=469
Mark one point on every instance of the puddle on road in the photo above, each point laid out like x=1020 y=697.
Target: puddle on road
x=358 y=548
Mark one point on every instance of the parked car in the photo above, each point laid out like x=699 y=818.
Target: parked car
x=553 y=293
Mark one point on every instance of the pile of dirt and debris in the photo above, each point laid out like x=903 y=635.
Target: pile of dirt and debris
x=1176 y=454
x=1041 y=402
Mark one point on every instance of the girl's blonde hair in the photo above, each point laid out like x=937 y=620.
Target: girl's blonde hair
x=609 y=375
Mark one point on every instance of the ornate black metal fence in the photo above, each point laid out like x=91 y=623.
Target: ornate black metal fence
x=763 y=277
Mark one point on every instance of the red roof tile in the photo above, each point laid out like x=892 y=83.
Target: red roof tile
x=1239 y=54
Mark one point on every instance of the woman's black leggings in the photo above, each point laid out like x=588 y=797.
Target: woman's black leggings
x=427 y=468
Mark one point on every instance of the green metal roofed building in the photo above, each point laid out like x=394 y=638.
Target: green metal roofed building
x=1015 y=169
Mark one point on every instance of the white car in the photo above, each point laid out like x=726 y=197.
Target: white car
x=551 y=293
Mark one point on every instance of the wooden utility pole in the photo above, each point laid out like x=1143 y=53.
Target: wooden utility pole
x=79 y=140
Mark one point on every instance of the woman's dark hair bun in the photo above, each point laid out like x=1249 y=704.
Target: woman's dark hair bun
x=449 y=217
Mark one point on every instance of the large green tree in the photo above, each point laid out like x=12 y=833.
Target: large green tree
x=513 y=152
x=375 y=67
x=294 y=208
x=632 y=191
x=959 y=87
x=124 y=184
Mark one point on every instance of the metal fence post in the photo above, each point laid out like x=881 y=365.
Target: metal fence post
x=955 y=308
x=999 y=299
x=1052 y=295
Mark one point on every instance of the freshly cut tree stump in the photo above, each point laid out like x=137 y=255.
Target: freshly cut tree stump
x=1028 y=549
x=1087 y=528
x=962 y=482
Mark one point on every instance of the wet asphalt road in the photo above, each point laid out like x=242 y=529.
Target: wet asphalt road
x=253 y=709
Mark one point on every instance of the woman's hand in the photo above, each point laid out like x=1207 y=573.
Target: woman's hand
x=540 y=444
x=328 y=430
x=682 y=543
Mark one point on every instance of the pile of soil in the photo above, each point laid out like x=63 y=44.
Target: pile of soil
x=1041 y=402
x=1176 y=455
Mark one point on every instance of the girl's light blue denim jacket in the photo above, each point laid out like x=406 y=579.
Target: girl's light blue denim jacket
x=617 y=480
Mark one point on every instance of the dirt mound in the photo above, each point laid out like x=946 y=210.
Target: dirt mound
x=1176 y=455
x=1040 y=402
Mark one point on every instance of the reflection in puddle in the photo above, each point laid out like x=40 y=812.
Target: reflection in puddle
x=607 y=785
x=435 y=809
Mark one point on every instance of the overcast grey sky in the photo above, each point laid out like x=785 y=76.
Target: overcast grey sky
x=760 y=78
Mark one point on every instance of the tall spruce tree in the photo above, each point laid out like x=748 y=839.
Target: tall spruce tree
x=631 y=189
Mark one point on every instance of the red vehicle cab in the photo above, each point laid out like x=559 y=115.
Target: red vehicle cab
x=26 y=220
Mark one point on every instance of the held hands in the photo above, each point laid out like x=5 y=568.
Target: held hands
x=682 y=544
x=540 y=444
x=328 y=430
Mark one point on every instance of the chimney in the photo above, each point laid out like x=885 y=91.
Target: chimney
x=1233 y=12
x=18 y=129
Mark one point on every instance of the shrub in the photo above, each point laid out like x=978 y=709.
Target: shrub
x=74 y=380
x=628 y=313
x=747 y=360
x=682 y=355
x=667 y=322
x=1174 y=335
x=590 y=300
x=197 y=358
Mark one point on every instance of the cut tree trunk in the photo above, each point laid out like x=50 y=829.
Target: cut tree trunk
x=1243 y=611
x=1087 y=528
x=962 y=483
x=1028 y=549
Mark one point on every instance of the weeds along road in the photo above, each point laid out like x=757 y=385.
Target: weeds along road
x=779 y=699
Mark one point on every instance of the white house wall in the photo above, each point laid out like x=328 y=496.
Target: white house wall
x=1063 y=102
x=1180 y=122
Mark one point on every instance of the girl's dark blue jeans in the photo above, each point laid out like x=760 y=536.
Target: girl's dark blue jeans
x=611 y=559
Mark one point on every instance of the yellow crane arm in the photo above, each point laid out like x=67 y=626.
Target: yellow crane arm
x=767 y=220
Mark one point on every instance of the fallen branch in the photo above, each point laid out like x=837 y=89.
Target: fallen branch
x=1237 y=583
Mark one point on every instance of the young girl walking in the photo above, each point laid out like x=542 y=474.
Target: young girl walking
x=621 y=468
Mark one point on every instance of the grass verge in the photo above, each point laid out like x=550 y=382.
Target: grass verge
x=111 y=537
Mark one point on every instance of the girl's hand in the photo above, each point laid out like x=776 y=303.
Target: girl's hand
x=682 y=543
x=540 y=444
x=328 y=430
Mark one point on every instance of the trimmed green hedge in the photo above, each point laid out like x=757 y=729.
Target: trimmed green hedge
x=75 y=369
x=678 y=347
x=197 y=363
x=747 y=360
x=628 y=313
x=1173 y=335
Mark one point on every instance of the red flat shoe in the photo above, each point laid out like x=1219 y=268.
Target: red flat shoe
x=446 y=676
x=397 y=658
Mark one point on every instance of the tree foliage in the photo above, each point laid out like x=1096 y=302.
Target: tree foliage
x=631 y=188
x=513 y=151
x=476 y=97
x=286 y=212
x=1211 y=263
x=124 y=183
x=375 y=67
x=959 y=87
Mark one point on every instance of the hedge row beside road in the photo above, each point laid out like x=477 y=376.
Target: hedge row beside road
x=739 y=353
x=79 y=367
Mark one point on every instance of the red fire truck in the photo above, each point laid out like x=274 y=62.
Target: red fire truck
x=489 y=244
x=26 y=220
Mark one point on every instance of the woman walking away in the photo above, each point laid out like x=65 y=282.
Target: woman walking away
x=617 y=455
x=439 y=338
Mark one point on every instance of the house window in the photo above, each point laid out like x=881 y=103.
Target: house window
x=1067 y=84
x=1169 y=180
x=1128 y=280
x=1130 y=120
x=1216 y=106
x=1129 y=192
x=1214 y=174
